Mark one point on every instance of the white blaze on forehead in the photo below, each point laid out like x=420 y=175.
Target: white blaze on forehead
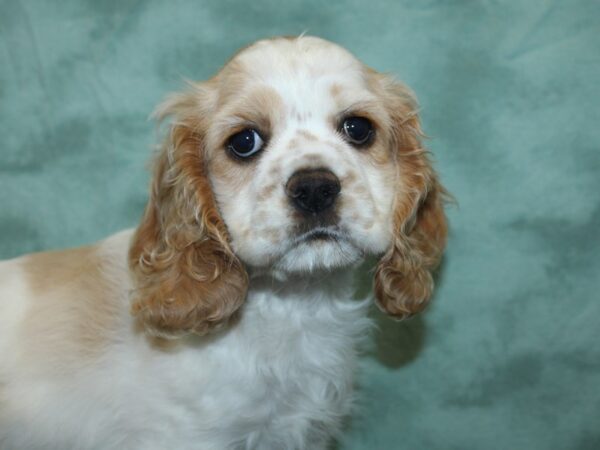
x=305 y=56
x=302 y=71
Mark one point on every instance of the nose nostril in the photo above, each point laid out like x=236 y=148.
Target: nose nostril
x=326 y=191
x=313 y=190
x=300 y=193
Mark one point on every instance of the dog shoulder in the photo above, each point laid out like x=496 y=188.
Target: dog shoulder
x=64 y=305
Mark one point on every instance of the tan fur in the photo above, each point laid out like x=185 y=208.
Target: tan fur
x=62 y=328
x=403 y=278
x=307 y=135
x=335 y=90
x=261 y=109
x=262 y=106
x=267 y=192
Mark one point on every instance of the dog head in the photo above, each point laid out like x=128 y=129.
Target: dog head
x=295 y=158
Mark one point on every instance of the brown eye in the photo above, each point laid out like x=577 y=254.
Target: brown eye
x=245 y=143
x=358 y=130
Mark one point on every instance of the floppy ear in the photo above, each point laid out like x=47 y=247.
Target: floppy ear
x=187 y=278
x=403 y=277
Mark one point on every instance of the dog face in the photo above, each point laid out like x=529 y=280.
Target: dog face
x=299 y=157
x=294 y=158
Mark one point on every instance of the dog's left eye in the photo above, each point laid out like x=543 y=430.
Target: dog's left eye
x=245 y=143
x=358 y=130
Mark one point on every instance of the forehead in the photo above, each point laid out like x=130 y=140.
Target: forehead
x=306 y=73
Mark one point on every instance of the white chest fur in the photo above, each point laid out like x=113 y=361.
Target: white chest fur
x=279 y=378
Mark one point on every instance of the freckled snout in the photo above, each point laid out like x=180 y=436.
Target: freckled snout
x=313 y=191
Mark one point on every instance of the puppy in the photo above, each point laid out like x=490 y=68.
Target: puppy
x=226 y=319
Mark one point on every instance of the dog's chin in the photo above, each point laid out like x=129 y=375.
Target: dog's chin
x=318 y=251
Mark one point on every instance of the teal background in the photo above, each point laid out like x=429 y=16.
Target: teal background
x=508 y=356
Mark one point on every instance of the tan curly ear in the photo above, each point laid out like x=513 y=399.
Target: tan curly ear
x=187 y=278
x=403 y=277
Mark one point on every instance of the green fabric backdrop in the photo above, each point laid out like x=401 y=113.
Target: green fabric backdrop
x=508 y=357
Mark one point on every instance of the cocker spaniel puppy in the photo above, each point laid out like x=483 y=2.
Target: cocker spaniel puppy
x=226 y=319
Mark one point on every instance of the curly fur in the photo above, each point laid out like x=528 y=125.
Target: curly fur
x=187 y=277
x=403 y=278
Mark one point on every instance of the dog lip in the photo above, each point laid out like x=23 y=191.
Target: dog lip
x=320 y=234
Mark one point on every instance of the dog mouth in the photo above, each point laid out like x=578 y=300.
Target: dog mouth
x=319 y=234
x=319 y=248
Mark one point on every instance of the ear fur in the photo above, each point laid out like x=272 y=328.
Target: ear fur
x=187 y=279
x=403 y=277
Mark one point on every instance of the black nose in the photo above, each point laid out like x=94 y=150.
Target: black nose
x=313 y=190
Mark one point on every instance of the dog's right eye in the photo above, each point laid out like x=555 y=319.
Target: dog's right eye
x=358 y=130
x=245 y=143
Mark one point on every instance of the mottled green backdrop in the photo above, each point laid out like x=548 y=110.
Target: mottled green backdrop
x=508 y=357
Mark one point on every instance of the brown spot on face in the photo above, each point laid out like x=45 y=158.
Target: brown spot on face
x=349 y=179
x=273 y=235
x=360 y=190
x=312 y=160
x=368 y=224
x=335 y=90
x=268 y=190
x=307 y=135
x=292 y=144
